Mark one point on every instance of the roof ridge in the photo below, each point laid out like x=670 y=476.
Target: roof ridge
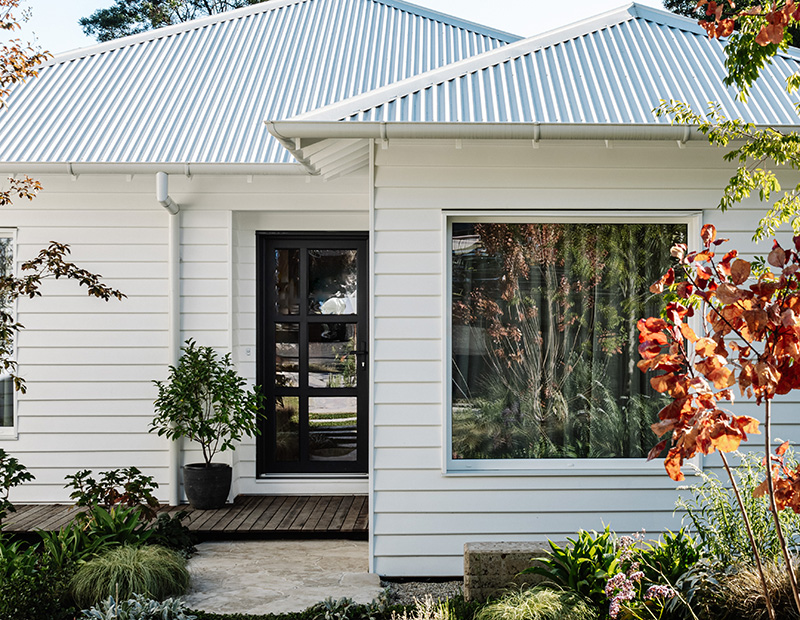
x=439 y=16
x=255 y=9
x=507 y=52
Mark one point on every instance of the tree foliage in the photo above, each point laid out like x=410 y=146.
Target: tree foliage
x=126 y=17
x=18 y=62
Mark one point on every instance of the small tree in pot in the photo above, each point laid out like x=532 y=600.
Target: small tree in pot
x=205 y=400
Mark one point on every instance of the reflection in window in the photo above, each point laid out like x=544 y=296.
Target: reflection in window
x=544 y=339
x=333 y=281
x=6 y=384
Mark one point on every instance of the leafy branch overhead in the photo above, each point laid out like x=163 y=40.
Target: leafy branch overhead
x=127 y=17
x=755 y=149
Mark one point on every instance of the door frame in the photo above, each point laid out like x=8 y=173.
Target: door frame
x=267 y=242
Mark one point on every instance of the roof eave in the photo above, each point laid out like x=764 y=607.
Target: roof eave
x=293 y=135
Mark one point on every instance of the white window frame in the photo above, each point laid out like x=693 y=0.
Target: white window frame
x=10 y=432
x=542 y=467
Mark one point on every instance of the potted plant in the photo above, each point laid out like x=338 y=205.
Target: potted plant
x=205 y=400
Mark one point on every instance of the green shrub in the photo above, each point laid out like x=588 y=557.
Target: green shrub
x=119 y=524
x=138 y=608
x=127 y=487
x=539 y=603
x=12 y=474
x=170 y=532
x=668 y=558
x=32 y=585
x=584 y=567
x=124 y=571
x=718 y=524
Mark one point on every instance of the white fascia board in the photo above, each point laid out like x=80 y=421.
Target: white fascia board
x=289 y=131
x=188 y=169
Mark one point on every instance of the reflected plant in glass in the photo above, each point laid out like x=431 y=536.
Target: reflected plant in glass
x=543 y=338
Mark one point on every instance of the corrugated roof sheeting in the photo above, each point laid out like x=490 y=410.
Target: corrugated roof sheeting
x=613 y=74
x=201 y=93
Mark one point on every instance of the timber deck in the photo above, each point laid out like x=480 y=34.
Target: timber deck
x=251 y=516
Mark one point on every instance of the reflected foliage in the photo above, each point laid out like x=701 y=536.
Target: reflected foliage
x=544 y=347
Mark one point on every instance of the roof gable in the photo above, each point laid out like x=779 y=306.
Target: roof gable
x=199 y=92
x=611 y=69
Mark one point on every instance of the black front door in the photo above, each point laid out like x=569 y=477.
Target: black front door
x=312 y=352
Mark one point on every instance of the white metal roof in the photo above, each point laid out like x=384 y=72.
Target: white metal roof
x=614 y=68
x=199 y=92
x=596 y=79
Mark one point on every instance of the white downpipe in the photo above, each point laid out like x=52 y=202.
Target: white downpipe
x=162 y=193
x=174 y=333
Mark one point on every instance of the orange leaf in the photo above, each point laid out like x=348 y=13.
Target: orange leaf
x=705 y=347
x=761 y=489
x=777 y=257
x=708 y=233
x=662 y=383
x=782 y=448
x=747 y=425
x=740 y=271
x=673 y=464
x=726 y=442
x=728 y=293
x=688 y=333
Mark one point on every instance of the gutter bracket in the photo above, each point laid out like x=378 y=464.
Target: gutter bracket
x=537 y=135
x=187 y=171
x=72 y=172
x=384 y=137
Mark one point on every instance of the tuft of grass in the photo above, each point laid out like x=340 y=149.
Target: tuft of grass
x=427 y=609
x=121 y=572
x=539 y=603
x=740 y=593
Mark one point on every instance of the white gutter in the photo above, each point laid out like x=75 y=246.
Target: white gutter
x=174 y=331
x=187 y=169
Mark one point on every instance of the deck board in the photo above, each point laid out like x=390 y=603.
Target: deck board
x=251 y=515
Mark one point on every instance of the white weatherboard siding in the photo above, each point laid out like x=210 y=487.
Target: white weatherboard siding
x=90 y=365
x=421 y=517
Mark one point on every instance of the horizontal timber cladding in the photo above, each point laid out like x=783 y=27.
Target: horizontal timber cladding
x=89 y=365
x=421 y=514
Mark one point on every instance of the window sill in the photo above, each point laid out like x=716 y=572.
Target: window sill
x=565 y=467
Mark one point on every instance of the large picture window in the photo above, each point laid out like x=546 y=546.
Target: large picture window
x=544 y=340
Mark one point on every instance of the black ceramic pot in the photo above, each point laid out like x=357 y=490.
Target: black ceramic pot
x=207 y=486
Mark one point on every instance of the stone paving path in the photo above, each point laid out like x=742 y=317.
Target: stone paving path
x=278 y=576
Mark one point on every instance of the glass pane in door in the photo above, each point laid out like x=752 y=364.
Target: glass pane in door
x=287 y=281
x=331 y=355
x=287 y=354
x=332 y=281
x=287 y=427
x=332 y=430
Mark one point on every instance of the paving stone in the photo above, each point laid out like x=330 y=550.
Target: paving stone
x=280 y=576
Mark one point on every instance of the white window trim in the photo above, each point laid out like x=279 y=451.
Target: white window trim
x=543 y=467
x=10 y=432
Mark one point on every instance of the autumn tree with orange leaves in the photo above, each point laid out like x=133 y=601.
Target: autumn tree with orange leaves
x=751 y=315
x=750 y=340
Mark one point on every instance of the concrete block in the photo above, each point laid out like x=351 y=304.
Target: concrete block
x=491 y=567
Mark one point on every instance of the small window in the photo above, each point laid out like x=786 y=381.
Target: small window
x=544 y=340
x=6 y=384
